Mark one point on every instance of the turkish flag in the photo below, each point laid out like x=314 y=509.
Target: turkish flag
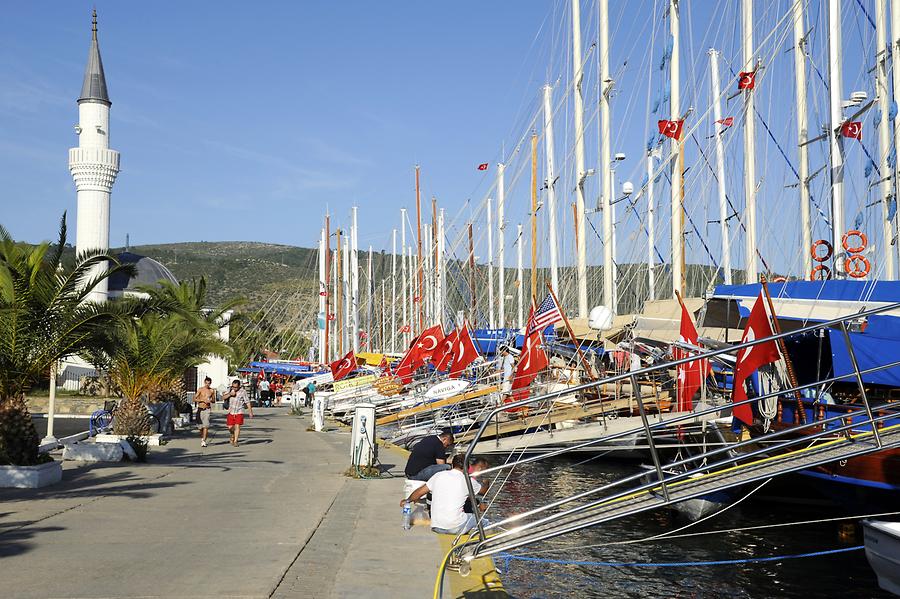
x=427 y=344
x=751 y=358
x=404 y=329
x=443 y=355
x=385 y=366
x=690 y=374
x=852 y=129
x=747 y=80
x=483 y=166
x=323 y=293
x=532 y=361
x=671 y=128
x=727 y=121
x=408 y=365
x=344 y=366
x=464 y=352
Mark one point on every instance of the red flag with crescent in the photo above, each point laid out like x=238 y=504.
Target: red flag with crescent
x=464 y=352
x=443 y=355
x=751 y=358
x=852 y=129
x=747 y=80
x=690 y=374
x=532 y=361
x=483 y=166
x=344 y=366
x=671 y=128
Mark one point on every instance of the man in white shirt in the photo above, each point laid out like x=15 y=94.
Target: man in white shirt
x=449 y=495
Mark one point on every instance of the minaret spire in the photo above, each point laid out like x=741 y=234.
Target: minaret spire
x=94 y=87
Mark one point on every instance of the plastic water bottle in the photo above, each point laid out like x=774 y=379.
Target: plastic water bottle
x=407 y=515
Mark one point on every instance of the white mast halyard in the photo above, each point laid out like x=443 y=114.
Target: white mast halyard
x=802 y=136
x=677 y=174
x=501 y=248
x=490 y=260
x=720 y=164
x=884 y=136
x=606 y=166
x=752 y=272
x=550 y=184
x=347 y=289
x=836 y=141
x=580 y=173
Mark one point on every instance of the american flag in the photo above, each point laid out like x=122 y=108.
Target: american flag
x=546 y=314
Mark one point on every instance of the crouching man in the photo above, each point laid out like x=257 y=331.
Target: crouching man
x=449 y=496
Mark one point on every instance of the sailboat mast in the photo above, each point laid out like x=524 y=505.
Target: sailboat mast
x=339 y=296
x=550 y=184
x=474 y=297
x=749 y=146
x=580 y=173
x=501 y=240
x=440 y=268
x=323 y=294
x=534 y=141
x=370 y=306
x=835 y=90
x=720 y=164
x=383 y=318
x=490 y=257
x=336 y=293
x=895 y=76
x=347 y=329
x=419 y=270
x=354 y=282
x=651 y=229
x=426 y=289
x=520 y=281
x=606 y=164
x=325 y=356
x=405 y=278
x=884 y=136
x=802 y=136
x=677 y=171
x=393 y=290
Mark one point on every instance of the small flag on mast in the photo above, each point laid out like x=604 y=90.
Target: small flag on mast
x=852 y=129
x=747 y=80
x=727 y=121
x=483 y=166
x=671 y=128
x=546 y=314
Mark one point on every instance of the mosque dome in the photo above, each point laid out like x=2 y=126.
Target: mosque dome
x=149 y=272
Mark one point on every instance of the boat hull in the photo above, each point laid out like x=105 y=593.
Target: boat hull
x=882 y=542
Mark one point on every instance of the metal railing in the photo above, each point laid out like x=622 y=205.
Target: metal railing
x=785 y=440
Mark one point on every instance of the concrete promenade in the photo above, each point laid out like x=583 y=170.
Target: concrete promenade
x=274 y=517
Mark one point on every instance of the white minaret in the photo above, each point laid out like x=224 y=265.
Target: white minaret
x=93 y=165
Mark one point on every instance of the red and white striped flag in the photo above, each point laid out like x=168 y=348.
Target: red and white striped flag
x=546 y=314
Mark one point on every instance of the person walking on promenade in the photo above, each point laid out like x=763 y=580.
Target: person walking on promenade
x=429 y=456
x=310 y=394
x=264 y=387
x=237 y=400
x=203 y=399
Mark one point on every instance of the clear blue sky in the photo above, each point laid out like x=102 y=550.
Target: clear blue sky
x=243 y=121
x=240 y=120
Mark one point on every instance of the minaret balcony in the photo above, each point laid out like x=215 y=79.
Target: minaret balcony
x=93 y=168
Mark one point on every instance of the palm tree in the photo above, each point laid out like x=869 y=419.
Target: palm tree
x=45 y=316
x=150 y=352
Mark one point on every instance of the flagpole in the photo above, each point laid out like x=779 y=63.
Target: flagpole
x=750 y=147
x=581 y=356
x=800 y=97
x=677 y=171
x=501 y=244
x=338 y=330
x=788 y=364
x=882 y=51
x=420 y=272
x=534 y=141
x=836 y=139
x=325 y=356
x=720 y=164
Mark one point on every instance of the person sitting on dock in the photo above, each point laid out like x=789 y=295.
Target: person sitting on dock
x=449 y=496
x=429 y=456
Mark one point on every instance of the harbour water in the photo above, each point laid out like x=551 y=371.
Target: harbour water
x=844 y=574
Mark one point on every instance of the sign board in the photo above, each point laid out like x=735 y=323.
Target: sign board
x=355 y=382
x=446 y=389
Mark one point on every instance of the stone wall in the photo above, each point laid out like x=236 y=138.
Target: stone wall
x=66 y=404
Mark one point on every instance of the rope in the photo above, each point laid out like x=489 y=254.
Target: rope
x=508 y=557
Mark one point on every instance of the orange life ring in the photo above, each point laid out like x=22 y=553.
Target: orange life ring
x=855 y=271
x=817 y=269
x=863 y=241
x=779 y=280
x=828 y=247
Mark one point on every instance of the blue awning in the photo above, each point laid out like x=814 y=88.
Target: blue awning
x=878 y=345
